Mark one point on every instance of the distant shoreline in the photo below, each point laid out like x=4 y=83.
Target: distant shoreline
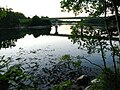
x=28 y=27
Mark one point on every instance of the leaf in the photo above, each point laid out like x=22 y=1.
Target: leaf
x=60 y=87
x=78 y=63
x=2 y=71
x=55 y=87
x=68 y=82
x=65 y=57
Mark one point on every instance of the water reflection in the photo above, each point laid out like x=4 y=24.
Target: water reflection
x=96 y=43
x=9 y=37
x=32 y=41
x=40 y=53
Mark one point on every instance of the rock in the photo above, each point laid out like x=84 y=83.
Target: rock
x=87 y=88
x=95 y=81
x=83 y=81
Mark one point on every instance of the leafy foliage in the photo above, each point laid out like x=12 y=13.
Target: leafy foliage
x=2 y=13
x=108 y=80
x=61 y=73
x=71 y=71
x=66 y=85
x=13 y=75
x=66 y=57
x=37 y=21
x=10 y=19
x=93 y=7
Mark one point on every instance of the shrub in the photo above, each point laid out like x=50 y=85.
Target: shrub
x=108 y=80
x=13 y=76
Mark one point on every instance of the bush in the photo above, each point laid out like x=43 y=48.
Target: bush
x=13 y=76
x=108 y=80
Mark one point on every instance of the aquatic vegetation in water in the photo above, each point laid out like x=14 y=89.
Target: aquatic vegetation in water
x=60 y=71
x=13 y=76
x=66 y=85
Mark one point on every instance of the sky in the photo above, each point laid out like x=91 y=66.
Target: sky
x=50 y=8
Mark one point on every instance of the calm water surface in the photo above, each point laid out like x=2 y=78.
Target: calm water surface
x=45 y=49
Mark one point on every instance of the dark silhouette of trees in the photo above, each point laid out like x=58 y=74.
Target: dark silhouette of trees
x=2 y=12
x=37 y=21
x=11 y=19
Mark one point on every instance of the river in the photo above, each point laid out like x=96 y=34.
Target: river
x=35 y=53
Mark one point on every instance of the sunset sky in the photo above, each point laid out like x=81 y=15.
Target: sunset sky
x=30 y=8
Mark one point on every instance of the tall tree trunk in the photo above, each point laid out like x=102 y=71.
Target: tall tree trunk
x=103 y=57
x=114 y=2
x=110 y=37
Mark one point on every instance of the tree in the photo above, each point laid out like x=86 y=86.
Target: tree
x=10 y=18
x=36 y=21
x=96 y=8
x=93 y=7
x=2 y=12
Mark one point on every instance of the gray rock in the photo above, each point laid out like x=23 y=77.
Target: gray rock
x=95 y=81
x=87 y=88
x=83 y=81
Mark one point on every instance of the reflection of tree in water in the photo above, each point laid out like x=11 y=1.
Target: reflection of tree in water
x=37 y=32
x=92 y=40
x=9 y=37
x=95 y=42
x=7 y=43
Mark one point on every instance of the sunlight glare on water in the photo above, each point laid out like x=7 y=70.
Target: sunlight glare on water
x=62 y=29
